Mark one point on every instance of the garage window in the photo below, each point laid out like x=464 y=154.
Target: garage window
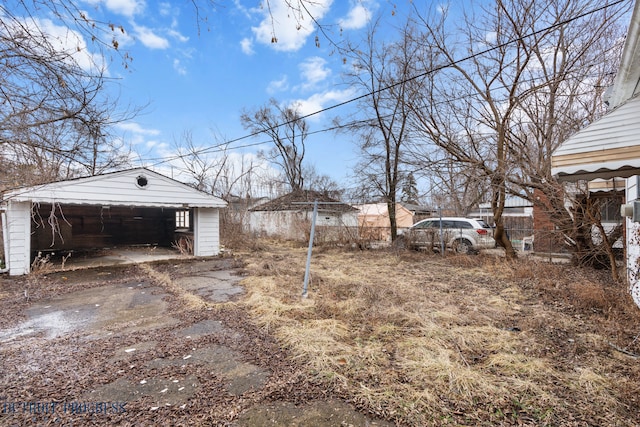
x=182 y=219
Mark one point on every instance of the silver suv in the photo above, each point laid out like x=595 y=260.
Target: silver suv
x=463 y=235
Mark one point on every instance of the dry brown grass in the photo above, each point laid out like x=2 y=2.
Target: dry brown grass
x=426 y=340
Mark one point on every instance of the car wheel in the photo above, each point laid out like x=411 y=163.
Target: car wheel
x=463 y=246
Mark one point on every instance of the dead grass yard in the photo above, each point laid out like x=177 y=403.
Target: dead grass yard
x=462 y=340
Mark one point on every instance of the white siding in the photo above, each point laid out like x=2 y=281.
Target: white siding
x=277 y=223
x=606 y=148
x=296 y=224
x=332 y=219
x=632 y=189
x=19 y=230
x=632 y=239
x=206 y=232
x=119 y=189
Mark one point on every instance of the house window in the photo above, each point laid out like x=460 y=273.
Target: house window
x=610 y=210
x=182 y=219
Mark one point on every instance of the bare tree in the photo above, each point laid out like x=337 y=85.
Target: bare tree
x=459 y=188
x=382 y=71
x=497 y=64
x=288 y=131
x=218 y=171
x=54 y=111
x=573 y=73
x=321 y=183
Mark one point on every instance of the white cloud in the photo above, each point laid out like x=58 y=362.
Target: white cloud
x=124 y=39
x=179 y=67
x=278 y=85
x=177 y=35
x=358 y=17
x=491 y=37
x=319 y=101
x=143 y=139
x=165 y=9
x=283 y=24
x=61 y=39
x=242 y=9
x=159 y=146
x=135 y=128
x=314 y=70
x=247 y=46
x=127 y=8
x=149 y=38
x=443 y=8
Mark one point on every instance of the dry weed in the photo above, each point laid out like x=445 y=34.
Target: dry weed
x=430 y=340
x=588 y=295
x=192 y=301
x=42 y=265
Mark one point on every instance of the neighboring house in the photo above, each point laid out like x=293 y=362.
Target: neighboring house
x=136 y=206
x=374 y=222
x=514 y=207
x=610 y=147
x=289 y=217
x=517 y=214
x=517 y=217
x=241 y=205
x=420 y=212
x=238 y=208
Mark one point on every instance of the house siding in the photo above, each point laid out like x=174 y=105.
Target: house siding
x=206 y=232
x=19 y=229
x=606 y=148
x=296 y=225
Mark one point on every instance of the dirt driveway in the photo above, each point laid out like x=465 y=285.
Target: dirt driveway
x=153 y=344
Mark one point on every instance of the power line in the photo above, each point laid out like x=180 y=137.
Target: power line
x=223 y=146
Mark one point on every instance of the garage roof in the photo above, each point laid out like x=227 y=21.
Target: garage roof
x=138 y=187
x=302 y=200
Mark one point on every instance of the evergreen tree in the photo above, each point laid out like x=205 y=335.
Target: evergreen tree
x=410 y=190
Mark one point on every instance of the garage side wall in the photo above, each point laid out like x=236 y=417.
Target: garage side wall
x=206 y=232
x=19 y=231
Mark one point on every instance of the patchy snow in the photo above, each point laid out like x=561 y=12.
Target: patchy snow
x=54 y=324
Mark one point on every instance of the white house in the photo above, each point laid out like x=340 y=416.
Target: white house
x=610 y=147
x=290 y=216
x=136 y=206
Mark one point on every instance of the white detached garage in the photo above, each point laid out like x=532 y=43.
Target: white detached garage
x=135 y=206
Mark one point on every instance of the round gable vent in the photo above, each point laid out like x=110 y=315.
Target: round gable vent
x=141 y=181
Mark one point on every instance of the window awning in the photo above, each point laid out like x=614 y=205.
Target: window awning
x=607 y=148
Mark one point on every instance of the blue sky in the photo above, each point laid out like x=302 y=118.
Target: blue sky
x=199 y=83
x=196 y=76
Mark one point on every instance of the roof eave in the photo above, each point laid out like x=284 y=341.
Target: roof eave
x=585 y=175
